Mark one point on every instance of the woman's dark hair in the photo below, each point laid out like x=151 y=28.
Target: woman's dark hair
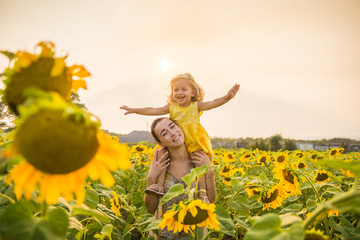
x=153 y=125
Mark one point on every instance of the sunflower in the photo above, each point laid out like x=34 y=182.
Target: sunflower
x=43 y=71
x=335 y=152
x=239 y=170
x=347 y=173
x=189 y=214
x=314 y=156
x=115 y=204
x=288 y=179
x=299 y=155
x=333 y=212
x=226 y=180
x=314 y=235
x=299 y=164
x=245 y=157
x=139 y=148
x=322 y=176
x=281 y=158
x=252 y=190
x=262 y=158
x=273 y=198
x=227 y=170
x=61 y=145
x=228 y=157
x=141 y=153
x=216 y=160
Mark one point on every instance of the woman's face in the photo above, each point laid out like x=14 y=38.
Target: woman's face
x=169 y=133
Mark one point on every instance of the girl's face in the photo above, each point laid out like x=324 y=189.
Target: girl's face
x=169 y=134
x=183 y=92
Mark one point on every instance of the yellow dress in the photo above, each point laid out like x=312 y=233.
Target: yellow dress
x=188 y=118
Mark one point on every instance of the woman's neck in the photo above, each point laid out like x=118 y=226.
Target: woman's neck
x=179 y=154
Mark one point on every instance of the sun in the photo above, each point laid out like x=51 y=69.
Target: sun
x=165 y=64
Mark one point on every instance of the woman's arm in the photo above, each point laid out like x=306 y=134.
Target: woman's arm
x=210 y=185
x=159 y=164
x=203 y=106
x=147 y=110
x=206 y=182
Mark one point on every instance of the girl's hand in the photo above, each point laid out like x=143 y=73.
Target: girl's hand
x=127 y=109
x=232 y=92
x=199 y=158
x=160 y=162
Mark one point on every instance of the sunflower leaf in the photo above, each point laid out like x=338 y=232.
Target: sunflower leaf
x=352 y=165
x=267 y=226
x=174 y=191
x=195 y=173
x=91 y=199
x=90 y=212
x=58 y=221
x=241 y=206
x=226 y=223
x=10 y=55
x=105 y=232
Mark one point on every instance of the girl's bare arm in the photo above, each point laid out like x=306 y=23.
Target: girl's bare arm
x=147 y=110
x=203 y=106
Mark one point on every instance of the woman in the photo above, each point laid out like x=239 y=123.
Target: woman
x=175 y=162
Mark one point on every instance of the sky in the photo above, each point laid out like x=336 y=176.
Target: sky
x=297 y=62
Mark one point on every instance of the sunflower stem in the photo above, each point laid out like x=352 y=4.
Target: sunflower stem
x=312 y=186
x=8 y=198
x=318 y=200
x=134 y=215
x=196 y=235
x=207 y=235
x=356 y=182
x=44 y=209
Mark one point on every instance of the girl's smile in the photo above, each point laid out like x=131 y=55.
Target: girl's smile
x=183 y=92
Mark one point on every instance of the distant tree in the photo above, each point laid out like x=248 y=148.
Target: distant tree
x=275 y=142
x=290 y=145
x=75 y=98
x=259 y=144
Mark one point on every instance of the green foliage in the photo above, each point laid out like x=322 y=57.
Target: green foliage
x=259 y=144
x=290 y=145
x=275 y=142
x=240 y=216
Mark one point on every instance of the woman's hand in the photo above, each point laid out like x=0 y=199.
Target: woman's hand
x=160 y=163
x=199 y=158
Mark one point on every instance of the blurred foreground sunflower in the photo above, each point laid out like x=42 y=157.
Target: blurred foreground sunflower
x=61 y=145
x=42 y=71
x=313 y=234
x=190 y=214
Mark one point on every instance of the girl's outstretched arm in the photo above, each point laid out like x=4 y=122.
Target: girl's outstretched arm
x=203 y=106
x=147 y=110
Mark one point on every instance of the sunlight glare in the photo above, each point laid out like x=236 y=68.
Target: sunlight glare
x=165 y=64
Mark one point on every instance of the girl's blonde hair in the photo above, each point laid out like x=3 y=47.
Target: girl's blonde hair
x=199 y=92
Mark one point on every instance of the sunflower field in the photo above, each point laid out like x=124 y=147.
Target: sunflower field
x=62 y=177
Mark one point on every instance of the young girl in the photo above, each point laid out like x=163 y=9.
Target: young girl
x=185 y=106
